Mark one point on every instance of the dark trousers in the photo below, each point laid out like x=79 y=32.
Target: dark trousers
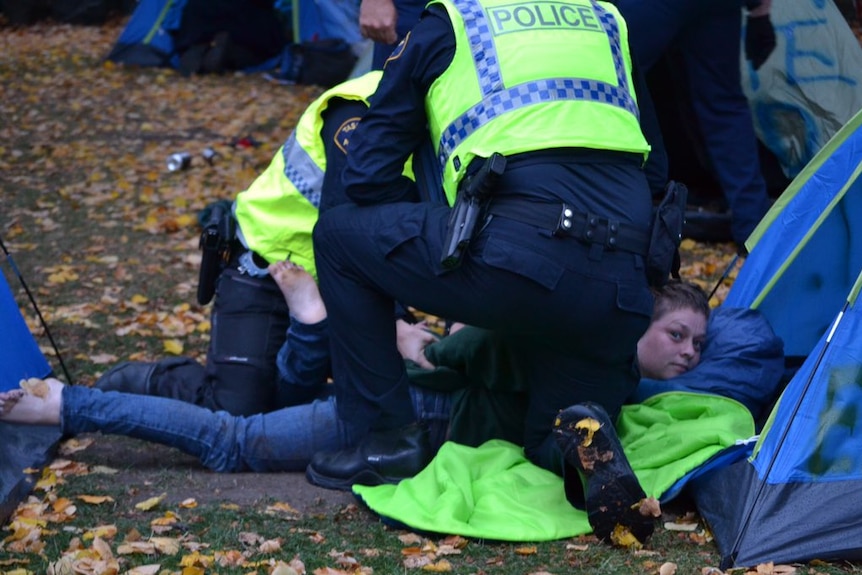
x=249 y=325
x=703 y=40
x=573 y=313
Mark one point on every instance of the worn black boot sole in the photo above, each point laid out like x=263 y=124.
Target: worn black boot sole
x=614 y=497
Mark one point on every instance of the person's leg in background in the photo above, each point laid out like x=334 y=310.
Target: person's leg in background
x=408 y=12
x=711 y=57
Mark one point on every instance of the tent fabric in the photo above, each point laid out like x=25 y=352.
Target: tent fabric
x=493 y=492
x=19 y=354
x=159 y=30
x=799 y=496
x=22 y=446
x=808 y=247
x=146 y=40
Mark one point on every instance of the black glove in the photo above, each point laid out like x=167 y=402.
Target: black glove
x=759 y=39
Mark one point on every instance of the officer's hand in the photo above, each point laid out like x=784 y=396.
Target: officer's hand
x=377 y=19
x=759 y=39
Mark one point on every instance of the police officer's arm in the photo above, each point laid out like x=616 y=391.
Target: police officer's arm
x=340 y=119
x=395 y=124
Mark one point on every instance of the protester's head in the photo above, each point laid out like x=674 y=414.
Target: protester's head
x=676 y=335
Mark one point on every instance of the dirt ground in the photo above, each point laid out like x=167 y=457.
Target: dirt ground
x=148 y=470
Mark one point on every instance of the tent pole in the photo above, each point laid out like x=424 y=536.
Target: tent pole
x=723 y=277
x=42 y=321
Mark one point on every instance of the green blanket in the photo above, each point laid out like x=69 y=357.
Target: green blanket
x=493 y=492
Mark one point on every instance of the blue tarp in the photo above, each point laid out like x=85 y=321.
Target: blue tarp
x=19 y=354
x=21 y=447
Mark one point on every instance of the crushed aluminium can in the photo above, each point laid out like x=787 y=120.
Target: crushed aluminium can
x=179 y=161
x=209 y=155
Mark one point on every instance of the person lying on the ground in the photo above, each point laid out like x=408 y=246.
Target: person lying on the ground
x=490 y=401
x=283 y=440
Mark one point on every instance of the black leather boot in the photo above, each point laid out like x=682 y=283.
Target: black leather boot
x=128 y=377
x=617 y=507
x=382 y=457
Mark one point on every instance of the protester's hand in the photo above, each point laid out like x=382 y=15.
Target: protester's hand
x=456 y=327
x=412 y=339
x=377 y=19
x=759 y=37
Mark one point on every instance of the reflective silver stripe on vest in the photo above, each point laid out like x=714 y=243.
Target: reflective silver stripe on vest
x=496 y=99
x=301 y=171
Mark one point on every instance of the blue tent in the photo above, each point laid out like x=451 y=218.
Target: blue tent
x=799 y=496
x=21 y=447
x=146 y=39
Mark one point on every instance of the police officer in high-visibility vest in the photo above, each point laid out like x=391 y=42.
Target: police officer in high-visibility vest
x=274 y=219
x=557 y=258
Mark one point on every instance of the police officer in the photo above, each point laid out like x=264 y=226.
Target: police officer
x=557 y=264
x=274 y=220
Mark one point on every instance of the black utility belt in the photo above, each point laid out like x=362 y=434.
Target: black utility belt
x=560 y=219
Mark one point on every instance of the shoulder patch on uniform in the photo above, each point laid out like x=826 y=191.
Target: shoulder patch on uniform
x=399 y=49
x=342 y=135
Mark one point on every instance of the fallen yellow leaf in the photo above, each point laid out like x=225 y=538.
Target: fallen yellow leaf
x=150 y=503
x=173 y=346
x=96 y=499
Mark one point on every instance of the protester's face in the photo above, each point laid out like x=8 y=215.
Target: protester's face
x=672 y=344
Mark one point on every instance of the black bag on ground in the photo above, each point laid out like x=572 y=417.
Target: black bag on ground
x=321 y=62
x=663 y=261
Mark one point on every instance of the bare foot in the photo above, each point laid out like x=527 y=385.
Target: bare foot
x=300 y=292
x=17 y=406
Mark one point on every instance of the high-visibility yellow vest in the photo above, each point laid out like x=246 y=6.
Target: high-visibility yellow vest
x=277 y=212
x=531 y=75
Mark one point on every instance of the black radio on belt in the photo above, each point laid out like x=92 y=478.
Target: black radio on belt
x=214 y=244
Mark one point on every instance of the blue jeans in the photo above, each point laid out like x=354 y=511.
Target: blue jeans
x=282 y=440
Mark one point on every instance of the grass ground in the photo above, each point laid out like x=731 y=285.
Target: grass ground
x=107 y=240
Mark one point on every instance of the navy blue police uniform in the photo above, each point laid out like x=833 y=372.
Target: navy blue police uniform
x=705 y=36
x=572 y=306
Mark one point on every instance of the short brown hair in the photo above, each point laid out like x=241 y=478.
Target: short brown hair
x=678 y=294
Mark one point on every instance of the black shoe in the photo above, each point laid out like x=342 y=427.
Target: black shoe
x=192 y=59
x=382 y=457
x=215 y=59
x=128 y=377
x=617 y=507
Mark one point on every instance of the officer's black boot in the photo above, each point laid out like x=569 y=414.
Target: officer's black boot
x=128 y=377
x=617 y=507
x=382 y=457
x=179 y=378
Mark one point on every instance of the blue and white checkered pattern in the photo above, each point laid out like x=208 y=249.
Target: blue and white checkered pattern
x=481 y=45
x=497 y=99
x=301 y=171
